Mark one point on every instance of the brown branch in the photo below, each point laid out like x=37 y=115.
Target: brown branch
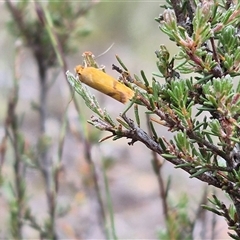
x=157 y=167
x=18 y=19
x=192 y=135
x=137 y=134
x=101 y=213
x=87 y=149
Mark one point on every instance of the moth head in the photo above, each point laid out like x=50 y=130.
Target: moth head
x=78 y=69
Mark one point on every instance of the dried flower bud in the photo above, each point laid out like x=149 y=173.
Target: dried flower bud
x=169 y=16
x=207 y=7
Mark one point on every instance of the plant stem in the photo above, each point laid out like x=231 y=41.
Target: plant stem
x=158 y=166
x=109 y=203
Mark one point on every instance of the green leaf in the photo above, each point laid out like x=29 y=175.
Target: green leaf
x=168 y=156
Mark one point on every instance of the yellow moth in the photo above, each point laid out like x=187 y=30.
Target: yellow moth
x=104 y=83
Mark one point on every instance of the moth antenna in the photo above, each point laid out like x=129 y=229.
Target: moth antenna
x=105 y=51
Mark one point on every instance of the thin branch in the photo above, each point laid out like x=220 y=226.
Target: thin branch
x=192 y=135
x=101 y=213
x=87 y=149
x=157 y=167
x=137 y=134
x=17 y=16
